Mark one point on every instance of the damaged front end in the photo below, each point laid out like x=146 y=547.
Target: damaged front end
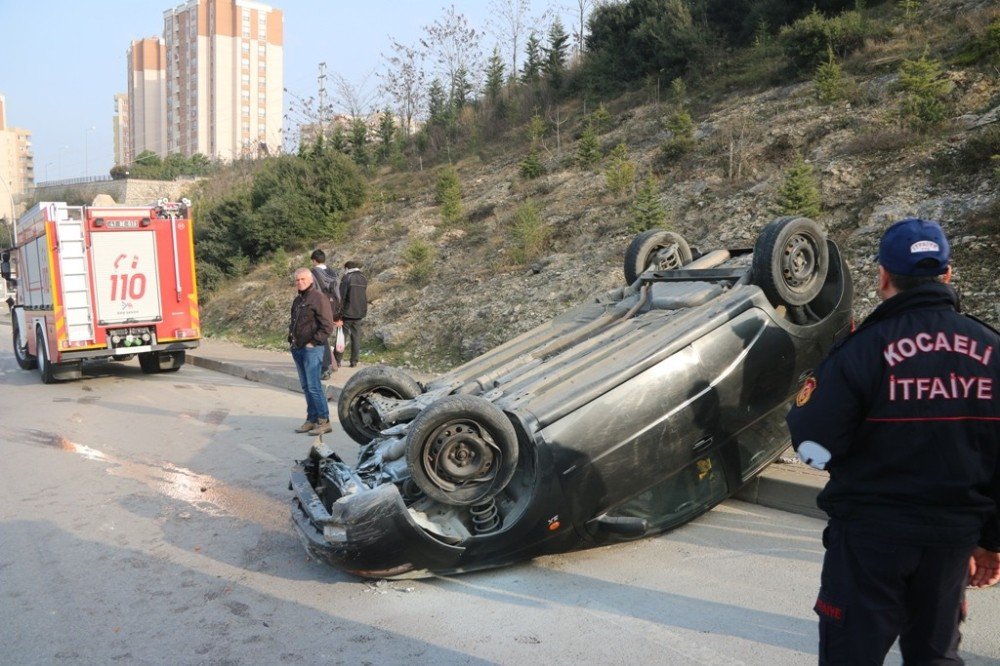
x=419 y=493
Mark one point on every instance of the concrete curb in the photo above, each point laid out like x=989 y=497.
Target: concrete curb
x=259 y=375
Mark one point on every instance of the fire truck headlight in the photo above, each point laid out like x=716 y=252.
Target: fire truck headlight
x=115 y=339
x=145 y=337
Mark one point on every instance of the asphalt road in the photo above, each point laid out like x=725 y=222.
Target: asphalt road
x=144 y=519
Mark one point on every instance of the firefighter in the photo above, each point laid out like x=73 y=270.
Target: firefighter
x=905 y=415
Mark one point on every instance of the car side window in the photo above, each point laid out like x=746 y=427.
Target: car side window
x=690 y=491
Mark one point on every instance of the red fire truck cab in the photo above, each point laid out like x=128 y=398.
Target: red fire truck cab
x=102 y=282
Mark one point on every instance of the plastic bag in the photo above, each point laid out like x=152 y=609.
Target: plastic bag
x=339 y=347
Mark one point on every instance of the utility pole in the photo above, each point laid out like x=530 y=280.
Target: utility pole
x=322 y=100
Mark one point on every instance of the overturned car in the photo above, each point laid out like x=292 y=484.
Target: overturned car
x=624 y=417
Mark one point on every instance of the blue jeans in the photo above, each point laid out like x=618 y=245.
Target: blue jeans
x=309 y=363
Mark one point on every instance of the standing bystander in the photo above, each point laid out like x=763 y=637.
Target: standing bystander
x=328 y=282
x=310 y=326
x=905 y=416
x=354 y=306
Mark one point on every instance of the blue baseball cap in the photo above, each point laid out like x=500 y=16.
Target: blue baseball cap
x=914 y=247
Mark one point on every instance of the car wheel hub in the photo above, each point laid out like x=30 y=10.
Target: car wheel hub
x=798 y=264
x=460 y=453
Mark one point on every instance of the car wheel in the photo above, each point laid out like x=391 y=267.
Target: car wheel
x=358 y=417
x=790 y=261
x=151 y=362
x=657 y=250
x=462 y=450
x=25 y=360
x=44 y=365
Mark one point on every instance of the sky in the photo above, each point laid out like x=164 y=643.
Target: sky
x=63 y=61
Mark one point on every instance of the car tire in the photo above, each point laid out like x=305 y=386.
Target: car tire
x=24 y=360
x=790 y=261
x=356 y=415
x=462 y=450
x=644 y=250
x=45 y=368
x=152 y=362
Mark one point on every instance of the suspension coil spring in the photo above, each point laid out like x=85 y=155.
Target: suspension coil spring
x=485 y=517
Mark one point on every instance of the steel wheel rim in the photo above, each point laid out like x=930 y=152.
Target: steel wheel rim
x=460 y=453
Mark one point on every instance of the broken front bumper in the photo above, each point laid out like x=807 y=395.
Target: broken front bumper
x=368 y=532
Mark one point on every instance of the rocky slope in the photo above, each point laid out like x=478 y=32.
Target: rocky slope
x=870 y=169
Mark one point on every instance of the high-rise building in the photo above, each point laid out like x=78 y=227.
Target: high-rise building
x=224 y=78
x=147 y=104
x=17 y=166
x=120 y=129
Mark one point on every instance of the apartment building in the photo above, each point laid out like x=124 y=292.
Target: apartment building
x=120 y=130
x=17 y=166
x=147 y=104
x=213 y=84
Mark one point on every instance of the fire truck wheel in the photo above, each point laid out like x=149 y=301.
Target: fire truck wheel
x=151 y=362
x=25 y=360
x=44 y=365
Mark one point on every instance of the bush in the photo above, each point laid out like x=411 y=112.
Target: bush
x=681 y=142
x=419 y=257
x=620 y=172
x=529 y=232
x=601 y=119
x=977 y=154
x=289 y=200
x=807 y=41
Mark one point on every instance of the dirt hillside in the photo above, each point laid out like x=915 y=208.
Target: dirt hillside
x=871 y=171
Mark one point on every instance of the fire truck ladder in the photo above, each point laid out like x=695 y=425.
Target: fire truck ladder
x=73 y=268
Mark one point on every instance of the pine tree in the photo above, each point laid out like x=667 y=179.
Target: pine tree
x=588 y=150
x=531 y=72
x=338 y=141
x=437 y=104
x=461 y=89
x=531 y=166
x=799 y=193
x=556 y=53
x=386 y=134
x=647 y=212
x=449 y=196
x=494 y=76
x=829 y=80
x=925 y=89
x=359 y=143
x=620 y=172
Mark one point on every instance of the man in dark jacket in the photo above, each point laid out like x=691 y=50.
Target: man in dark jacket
x=904 y=415
x=308 y=330
x=354 y=306
x=326 y=280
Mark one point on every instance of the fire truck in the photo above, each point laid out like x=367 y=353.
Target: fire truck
x=102 y=282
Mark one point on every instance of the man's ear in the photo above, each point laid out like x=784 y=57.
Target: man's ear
x=946 y=278
x=883 y=280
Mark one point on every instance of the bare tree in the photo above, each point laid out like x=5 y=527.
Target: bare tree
x=359 y=101
x=404 y=81
x=509 y=23
x=454 y=47
x=582 y=7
